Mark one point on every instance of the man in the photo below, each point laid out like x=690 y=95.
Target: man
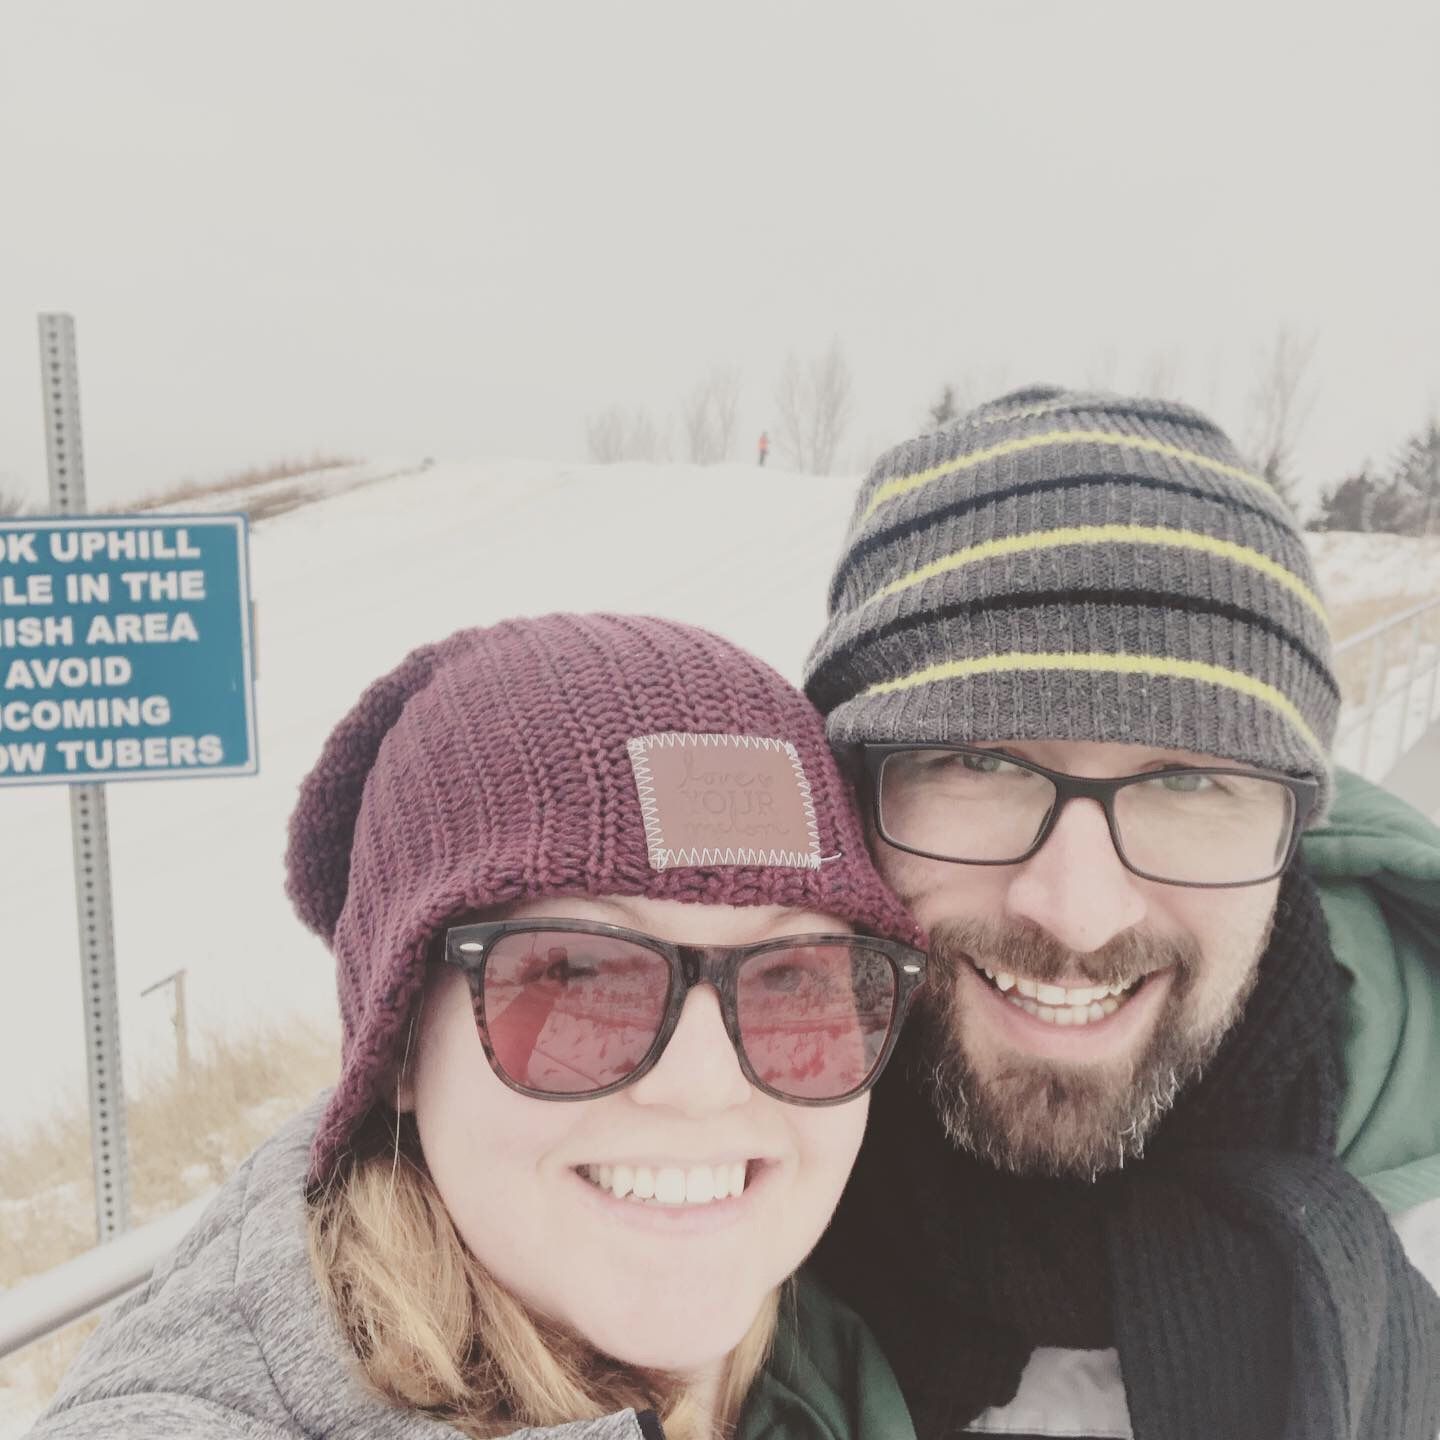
x=1078 y=650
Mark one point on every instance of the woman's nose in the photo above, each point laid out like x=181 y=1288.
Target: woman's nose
x=699 y=1073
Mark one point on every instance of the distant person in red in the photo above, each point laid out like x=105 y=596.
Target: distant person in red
x=764 y=446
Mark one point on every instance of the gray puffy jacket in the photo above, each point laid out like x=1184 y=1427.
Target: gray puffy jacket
x=231 y=1337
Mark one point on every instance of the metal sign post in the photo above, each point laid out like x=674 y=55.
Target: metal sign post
x=126 y=653
x=89 y=826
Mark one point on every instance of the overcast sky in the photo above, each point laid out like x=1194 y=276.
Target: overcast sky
x=457 y=229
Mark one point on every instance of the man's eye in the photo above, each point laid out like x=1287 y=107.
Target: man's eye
x=1187 y=783
x=984 y=764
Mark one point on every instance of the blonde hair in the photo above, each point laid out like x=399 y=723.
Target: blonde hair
x=434 y=1331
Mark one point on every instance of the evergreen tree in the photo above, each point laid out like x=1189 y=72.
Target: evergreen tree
x=1349 y=504
x=1404 y=501
x=1416 y=478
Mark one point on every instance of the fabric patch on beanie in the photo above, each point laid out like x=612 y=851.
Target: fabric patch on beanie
x=713 y=800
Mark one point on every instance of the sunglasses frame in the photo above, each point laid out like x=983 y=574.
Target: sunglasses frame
x=1083 y=787
x=468 y=947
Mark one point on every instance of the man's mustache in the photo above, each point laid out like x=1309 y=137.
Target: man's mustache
x=1023 y=949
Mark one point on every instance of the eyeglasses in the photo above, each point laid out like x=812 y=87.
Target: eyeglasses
x=1211 y=827
x=569 y=1010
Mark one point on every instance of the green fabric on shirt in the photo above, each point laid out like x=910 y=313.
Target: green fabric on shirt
x=1377 y=862
x=827 y=1378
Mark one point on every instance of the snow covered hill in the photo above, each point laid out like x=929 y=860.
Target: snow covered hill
x=1355 y=568
x=350 y=570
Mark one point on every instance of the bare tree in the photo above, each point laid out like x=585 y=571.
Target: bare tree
x=833 y=396
x=1100 y=373
x=605 y=436
x=619 y=434
x=1159 y=376
x=11 y=501
x=726 y=383
x=792 y=429
x=645 y=440
x=709 y=415
x=814 y=401
x=795 y=407
x=1279 y=406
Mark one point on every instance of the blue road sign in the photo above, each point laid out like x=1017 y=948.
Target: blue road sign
x=125 y=649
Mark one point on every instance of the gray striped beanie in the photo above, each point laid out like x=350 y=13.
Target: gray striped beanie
x=1078 y=567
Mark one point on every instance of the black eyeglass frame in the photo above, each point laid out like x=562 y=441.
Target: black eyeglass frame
x=468 y=947
x=1081 y=787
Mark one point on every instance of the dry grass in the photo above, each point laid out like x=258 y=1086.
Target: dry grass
x=240 y=480
x=1359 y=615
x=184 y=1138
x=39 y=1369
x=275 y=502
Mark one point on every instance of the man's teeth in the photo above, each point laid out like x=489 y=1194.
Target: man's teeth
x=669 y=1184
x=1059 y=1004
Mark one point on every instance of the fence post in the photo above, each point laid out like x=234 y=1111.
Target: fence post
x=1372 y=698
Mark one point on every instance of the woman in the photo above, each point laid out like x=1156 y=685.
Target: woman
x=616 y=975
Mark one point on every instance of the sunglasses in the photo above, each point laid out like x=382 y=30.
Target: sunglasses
x=569 y=1010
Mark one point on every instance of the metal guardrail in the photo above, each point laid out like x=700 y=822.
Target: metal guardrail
x=38 y=1307
x=1384 y=672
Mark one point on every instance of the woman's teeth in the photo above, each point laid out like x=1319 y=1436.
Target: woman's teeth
x=1059 y=1004
x=669 y=1184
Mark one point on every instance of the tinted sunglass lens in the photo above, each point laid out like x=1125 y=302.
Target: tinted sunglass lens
x=814 y=1018
x=570 y=1013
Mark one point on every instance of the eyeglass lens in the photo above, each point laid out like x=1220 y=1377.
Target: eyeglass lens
x=570 y=1013
x=814 y=1018
x=1190 y=827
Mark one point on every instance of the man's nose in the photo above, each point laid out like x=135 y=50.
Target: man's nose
x=1075 y=888
x=699 y=1074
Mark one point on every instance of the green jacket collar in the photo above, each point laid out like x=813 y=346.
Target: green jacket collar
x=1377 y=862
x=827 y=1378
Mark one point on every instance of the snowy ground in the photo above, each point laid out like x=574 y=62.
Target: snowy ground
x=401 y=553
x=1363 y=567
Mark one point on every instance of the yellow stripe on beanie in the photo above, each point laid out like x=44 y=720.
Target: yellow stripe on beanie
x=1102 y=535
x=904 y=484
x=1121 y=664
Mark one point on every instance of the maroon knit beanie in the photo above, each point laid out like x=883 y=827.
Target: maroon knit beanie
x=566 y=755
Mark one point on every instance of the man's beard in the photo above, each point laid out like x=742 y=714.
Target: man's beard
x=1036 y=1116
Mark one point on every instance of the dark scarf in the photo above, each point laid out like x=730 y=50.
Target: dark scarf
x=1252 y=1288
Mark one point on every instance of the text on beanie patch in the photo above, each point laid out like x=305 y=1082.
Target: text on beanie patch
x=724 y=800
